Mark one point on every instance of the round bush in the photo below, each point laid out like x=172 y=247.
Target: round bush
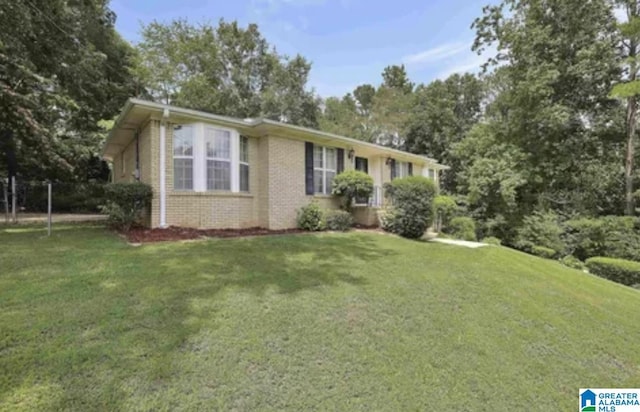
x=339 y=220
x=622 y=271
x=311 y=218
x=445 y=208
x=352 y=184
x=541 y=229
x=412 y=210
x=463 y=227
x=492 y=241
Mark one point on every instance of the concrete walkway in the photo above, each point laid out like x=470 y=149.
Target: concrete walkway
x=464 y=243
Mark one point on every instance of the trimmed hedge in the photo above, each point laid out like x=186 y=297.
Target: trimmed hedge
x=572 y=262
x=412 y=211
x=339 y=220
x=543 y=252
x=463 y=227
x=311 y=218
x=622 y=271
x=126 y=203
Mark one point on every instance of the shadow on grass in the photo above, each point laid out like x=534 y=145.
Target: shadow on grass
x=112 y=333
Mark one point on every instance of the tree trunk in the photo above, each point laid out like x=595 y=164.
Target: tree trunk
x=628 y=169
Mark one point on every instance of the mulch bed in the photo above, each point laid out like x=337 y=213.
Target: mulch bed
x=143 y=235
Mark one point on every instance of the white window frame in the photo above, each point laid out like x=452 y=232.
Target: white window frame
x=402 y=169
x=324 y=169
x=207 y=158
x=185 y=157
x=200 y=157
x=243 y=163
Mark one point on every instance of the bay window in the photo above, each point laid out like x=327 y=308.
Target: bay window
x=325 y=164
x=183 y=158
x=210 y=158
x=244 y=164
x=218 y=155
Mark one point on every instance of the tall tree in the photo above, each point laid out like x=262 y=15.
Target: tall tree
x=225 y=69
x=559 y=62
x=396 y=77
x=629 y=89
x=63 y=67
x=441 y=114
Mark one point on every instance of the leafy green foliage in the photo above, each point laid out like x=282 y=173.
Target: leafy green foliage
x=339 y=220
x=611 y=236
x=492 y=241
x=541 y=229
x=463 y=227
x=126 y=203
x=350 y=185
x=543 y=252
x=445 y=208
x=225 y=69
x=572 y=262
x=63 y=68
x=311 y=217
x=412 y=211
x=622 y=271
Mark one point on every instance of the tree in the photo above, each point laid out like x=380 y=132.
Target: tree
x=225 y=69
x=558 y=64
x=629 y=89
x=364 y=94
x=441 y=114
x=396 y=77
x=63 y=67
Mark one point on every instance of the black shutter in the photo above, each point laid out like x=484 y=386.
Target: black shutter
x=392 y=164
x=308 y=167
x=340 y=161
x=410 y=169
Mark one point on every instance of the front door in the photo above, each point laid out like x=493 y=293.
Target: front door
x=362 y=164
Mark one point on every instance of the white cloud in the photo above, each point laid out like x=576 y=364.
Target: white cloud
x=471 y=63
x=436 y=54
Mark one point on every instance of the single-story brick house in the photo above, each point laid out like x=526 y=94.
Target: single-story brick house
x=210 y=171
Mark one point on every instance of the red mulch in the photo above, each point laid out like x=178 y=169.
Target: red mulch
x=143 y=235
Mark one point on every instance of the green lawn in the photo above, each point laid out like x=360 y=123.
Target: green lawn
x=309 y=322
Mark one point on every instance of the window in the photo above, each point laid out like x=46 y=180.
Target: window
x=402 y=169
x=432 y=174
x=244 y=164
x=183 y=158
x=218 y=155
x=325 y=163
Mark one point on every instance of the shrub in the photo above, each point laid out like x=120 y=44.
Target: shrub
x=543 y=252
x=572 y=262
x=311 y=218
x=622 y=271
x=445 y=208
x=611 y=236
x=412 y=211
x=463 y=227
x=350 y=185
x=541 y=229
x=126 y=203
x=492 y=241
x=339 y=220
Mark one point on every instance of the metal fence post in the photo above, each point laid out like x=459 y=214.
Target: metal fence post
x=49 y=209
x=5 y=190
x=13 y=200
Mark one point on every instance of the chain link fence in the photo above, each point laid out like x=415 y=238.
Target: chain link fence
x=23 y=201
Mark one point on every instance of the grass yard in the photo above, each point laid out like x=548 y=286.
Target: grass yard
x=352 y=322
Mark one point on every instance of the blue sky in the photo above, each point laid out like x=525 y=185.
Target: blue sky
x=349 y=42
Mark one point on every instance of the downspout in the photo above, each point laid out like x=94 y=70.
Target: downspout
x=163 y=169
